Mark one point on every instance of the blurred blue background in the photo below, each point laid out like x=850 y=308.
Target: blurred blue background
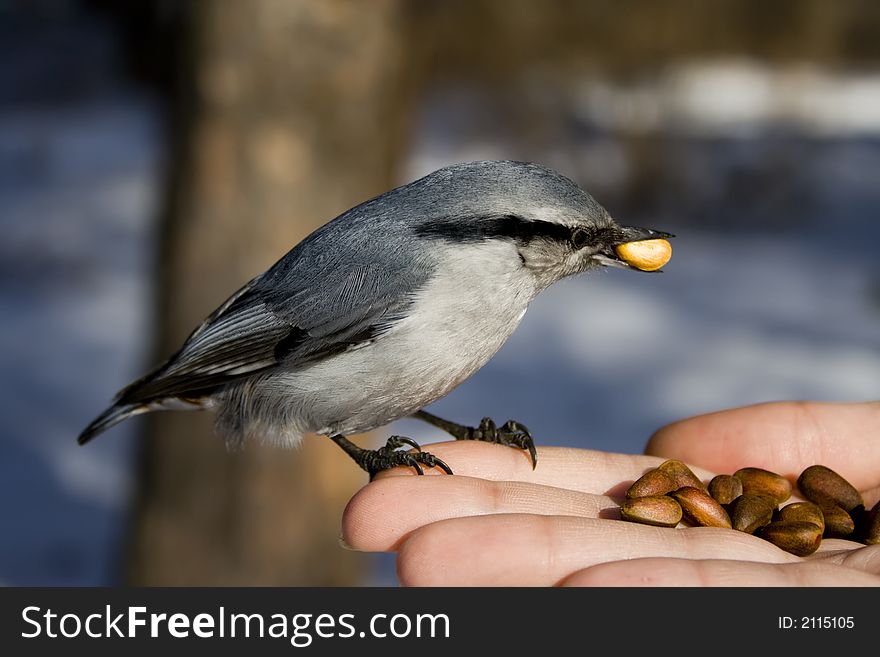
x=764 y=165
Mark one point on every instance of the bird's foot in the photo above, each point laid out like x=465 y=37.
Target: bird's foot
x=511 y=433
x=390 y=455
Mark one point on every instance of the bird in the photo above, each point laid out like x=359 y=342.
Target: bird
x=384 y=310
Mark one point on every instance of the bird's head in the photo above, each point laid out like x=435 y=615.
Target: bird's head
x=556 y=229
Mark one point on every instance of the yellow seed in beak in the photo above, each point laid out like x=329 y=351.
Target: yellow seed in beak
x=647 y=255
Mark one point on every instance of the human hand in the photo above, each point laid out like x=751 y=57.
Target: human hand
x=500 y=523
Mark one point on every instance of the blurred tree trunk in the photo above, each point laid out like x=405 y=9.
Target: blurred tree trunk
x=287 y=113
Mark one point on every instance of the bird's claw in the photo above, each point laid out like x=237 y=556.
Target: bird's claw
x=390 y=456
x=399 y=441
x=511 y=434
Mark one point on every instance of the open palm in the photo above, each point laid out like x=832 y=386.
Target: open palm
x=498 y=522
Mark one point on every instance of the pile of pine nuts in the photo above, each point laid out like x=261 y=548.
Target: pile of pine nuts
x=750 y=500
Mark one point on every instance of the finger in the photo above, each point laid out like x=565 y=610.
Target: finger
x=382 y=513
x=532 y=550
x=785 y=437
x=584 y=470
x=718 y=572
x=865 y=558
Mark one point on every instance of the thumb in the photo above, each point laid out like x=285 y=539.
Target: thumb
x=784 y=437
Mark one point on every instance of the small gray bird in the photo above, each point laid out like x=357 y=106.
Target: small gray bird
x=384 y=310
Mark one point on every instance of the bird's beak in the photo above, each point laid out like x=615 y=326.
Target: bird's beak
x=632 y=234
x=624 y=251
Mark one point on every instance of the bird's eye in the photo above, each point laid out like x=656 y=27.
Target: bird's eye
x=580 y=238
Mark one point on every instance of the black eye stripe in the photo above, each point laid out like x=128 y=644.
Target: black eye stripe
x=494 y=227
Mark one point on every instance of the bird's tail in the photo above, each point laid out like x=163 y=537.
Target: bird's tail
x=109 y=418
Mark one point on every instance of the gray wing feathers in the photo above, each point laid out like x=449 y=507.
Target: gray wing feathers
x=231 y=346
x=231 y=342
x=295 y=321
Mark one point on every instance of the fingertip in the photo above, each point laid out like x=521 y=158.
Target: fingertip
x=663 y=440
x=360 y=530
x=418 y=560
x=784 y=437
x=352 y=518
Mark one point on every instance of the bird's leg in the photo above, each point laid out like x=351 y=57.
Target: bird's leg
x=389 y=456
x=511 y=433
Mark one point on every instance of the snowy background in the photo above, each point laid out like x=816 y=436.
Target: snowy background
x=773 y=291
